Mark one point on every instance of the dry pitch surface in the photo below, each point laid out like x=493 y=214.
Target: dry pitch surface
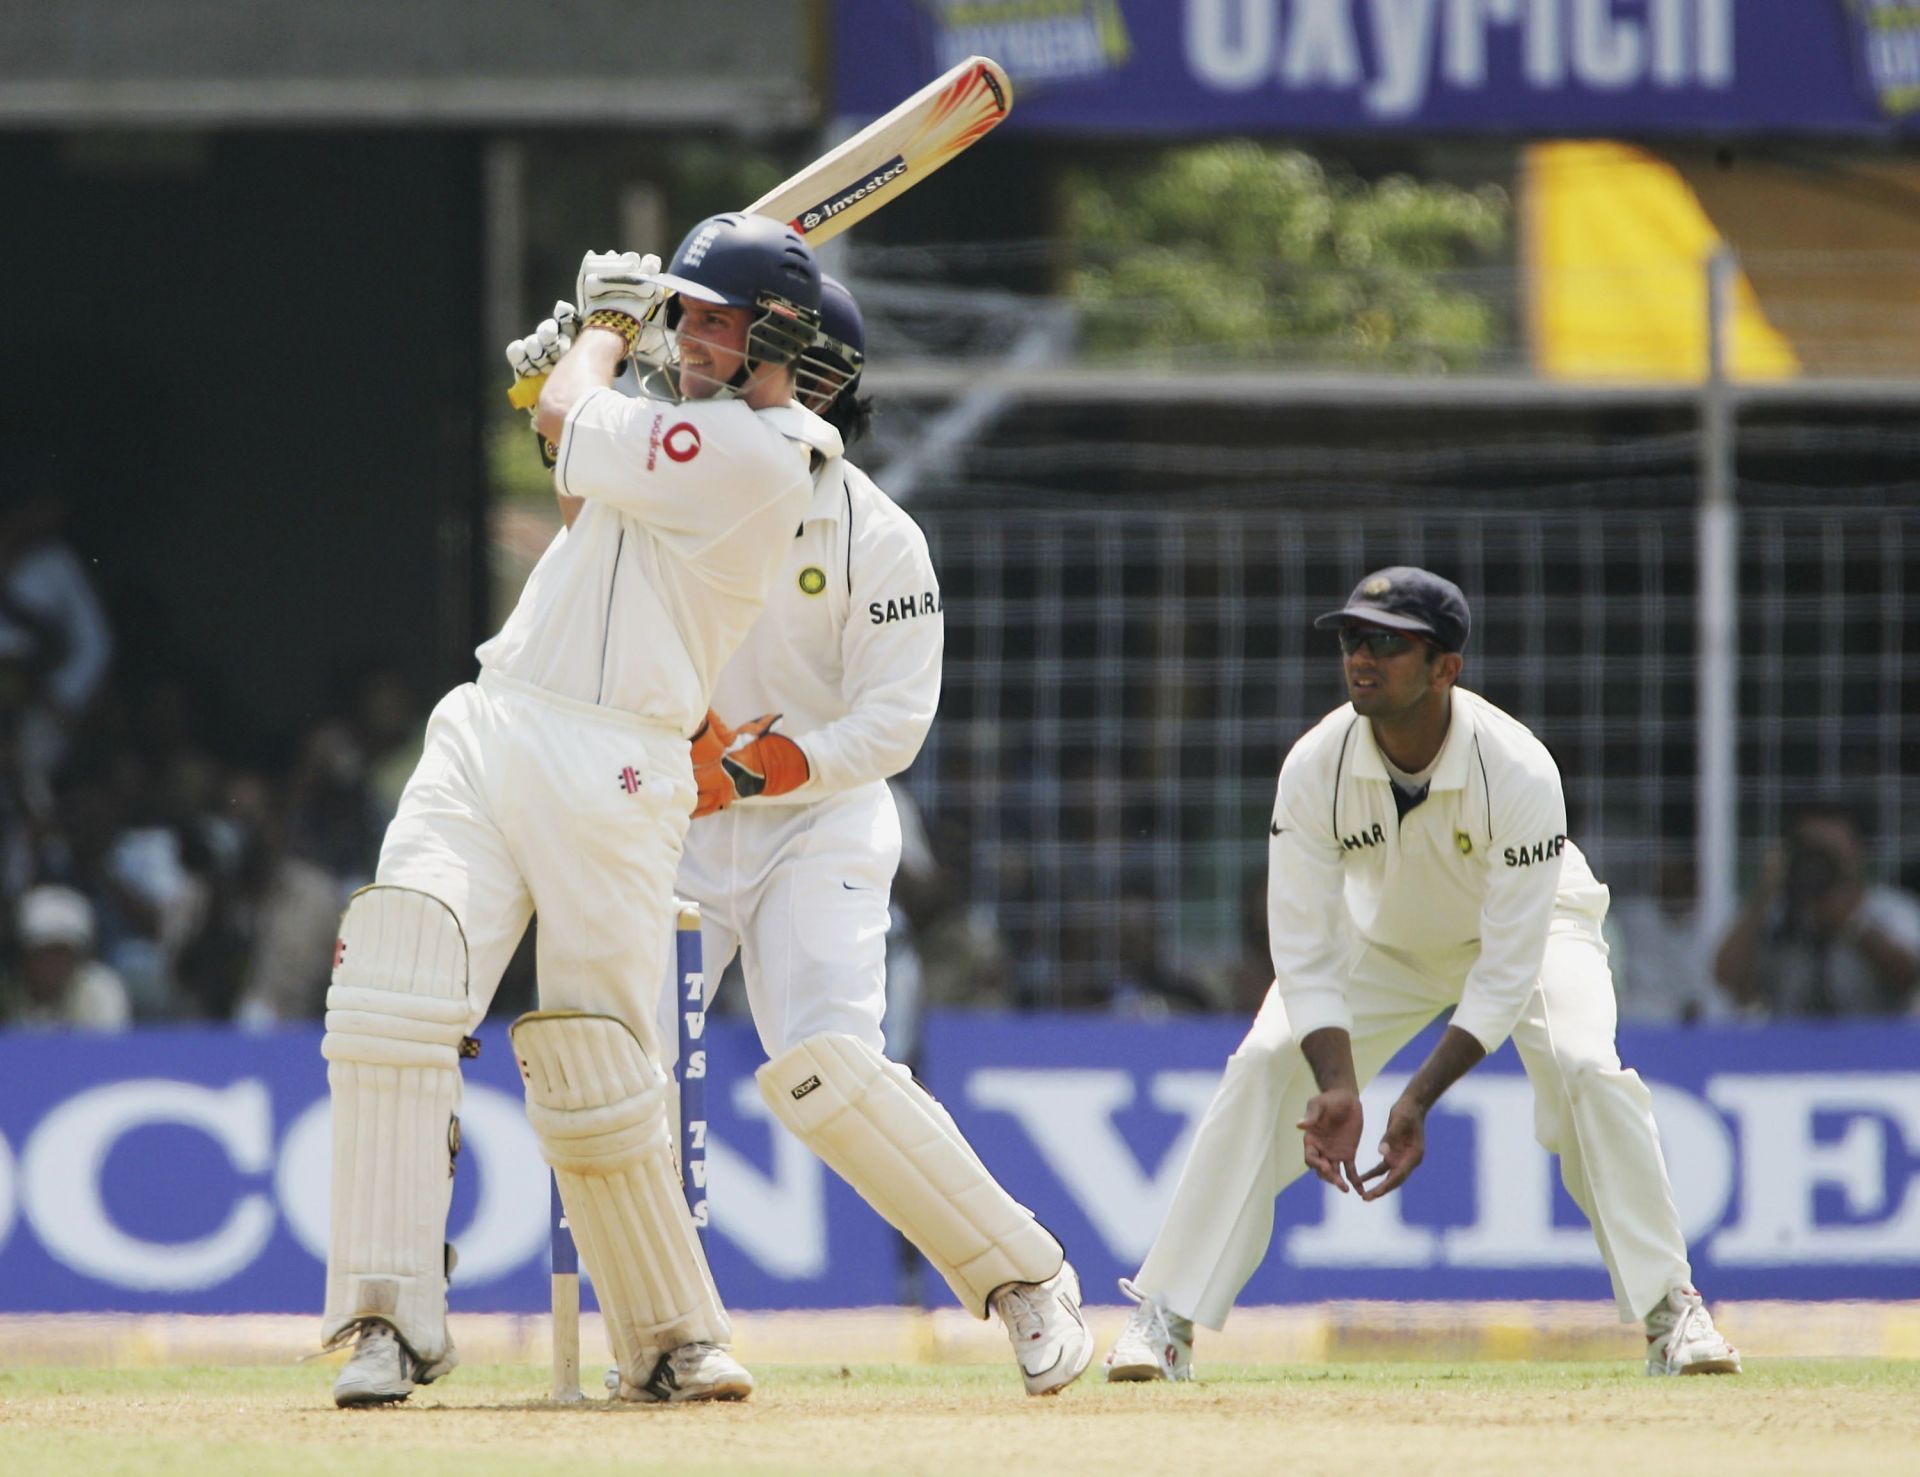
x=1852 y=1417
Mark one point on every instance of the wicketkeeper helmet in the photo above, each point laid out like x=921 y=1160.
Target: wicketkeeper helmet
x=831 y=366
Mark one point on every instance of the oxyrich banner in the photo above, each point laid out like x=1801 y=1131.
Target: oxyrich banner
x=1634 y=67
x=188 y=1170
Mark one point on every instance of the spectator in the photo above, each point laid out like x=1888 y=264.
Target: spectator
x=57 y=981
x=963 y=960
x=54 y=643
x=127 y=875
x=1252 y=973
x=268 y=946
x=348 y=778
x=1662 y=969
x=1816 y=937
x=1144 y=982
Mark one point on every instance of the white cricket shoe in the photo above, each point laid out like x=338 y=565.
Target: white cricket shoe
x=690 y=1372
x=1050 y=1338
x=1681 y=1338
x=383 y=1370
x=1156 y=1344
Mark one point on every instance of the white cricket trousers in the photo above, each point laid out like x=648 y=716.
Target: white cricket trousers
x=801 y=893
x=524 y=801
x=1594 y=1114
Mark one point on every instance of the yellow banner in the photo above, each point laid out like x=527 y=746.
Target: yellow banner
x=1616 y=246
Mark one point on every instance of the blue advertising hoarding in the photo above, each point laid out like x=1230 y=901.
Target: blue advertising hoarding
x=187 y=1171
x=1565 y=67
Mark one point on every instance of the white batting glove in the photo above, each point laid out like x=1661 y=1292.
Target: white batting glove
x=539 y=351
x=617 y=281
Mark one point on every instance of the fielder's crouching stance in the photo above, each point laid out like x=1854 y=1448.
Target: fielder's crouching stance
x=1419 y=860
x=561 y=780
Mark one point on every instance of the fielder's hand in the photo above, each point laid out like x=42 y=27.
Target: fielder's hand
x=539 y=351
x=1402 y=1148
x=1332 y=1131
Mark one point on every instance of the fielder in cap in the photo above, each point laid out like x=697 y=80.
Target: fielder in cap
x=560 y=781
x=1418 y=860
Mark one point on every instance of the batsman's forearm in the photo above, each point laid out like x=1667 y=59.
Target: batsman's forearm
x=1329 y=1052
x=1457 y=1054
x=589 y=365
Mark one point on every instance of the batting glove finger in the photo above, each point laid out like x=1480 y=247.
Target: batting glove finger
x=520 y=358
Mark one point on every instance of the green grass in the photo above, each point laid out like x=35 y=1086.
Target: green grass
x=1360 y=1419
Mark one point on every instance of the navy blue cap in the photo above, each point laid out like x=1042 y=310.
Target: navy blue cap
x=1403 y=598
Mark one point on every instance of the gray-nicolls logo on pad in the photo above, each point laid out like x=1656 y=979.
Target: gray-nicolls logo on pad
x=805 y=1087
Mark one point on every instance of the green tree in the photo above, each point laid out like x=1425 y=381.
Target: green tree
x=1237 y=251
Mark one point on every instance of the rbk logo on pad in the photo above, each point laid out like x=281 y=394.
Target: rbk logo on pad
x=805 y=1087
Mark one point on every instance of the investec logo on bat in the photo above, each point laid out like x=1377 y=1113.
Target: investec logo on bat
x=826 y=210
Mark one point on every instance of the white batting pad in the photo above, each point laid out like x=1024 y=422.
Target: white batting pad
x=599 y=1108
x=886 y=1136
x=396 y=1012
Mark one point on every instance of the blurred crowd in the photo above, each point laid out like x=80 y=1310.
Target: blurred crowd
x=147 y=875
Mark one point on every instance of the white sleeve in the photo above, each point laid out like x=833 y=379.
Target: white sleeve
x=1306 y=906
x=1895 y=915
x=100 y=1000
x=51 y=583
x=890 y=653
x=691 y=472
x=1523 y=880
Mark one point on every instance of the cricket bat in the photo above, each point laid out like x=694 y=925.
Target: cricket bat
x=878 y=164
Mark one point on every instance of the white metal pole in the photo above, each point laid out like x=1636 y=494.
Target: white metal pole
x=1718 y=657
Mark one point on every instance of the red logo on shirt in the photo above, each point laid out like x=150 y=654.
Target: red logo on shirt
x=682 y=441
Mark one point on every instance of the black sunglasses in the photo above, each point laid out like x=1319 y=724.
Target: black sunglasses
x=1380 y=643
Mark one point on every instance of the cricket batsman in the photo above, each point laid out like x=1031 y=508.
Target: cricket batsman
x=792 y=854
x=560 y=781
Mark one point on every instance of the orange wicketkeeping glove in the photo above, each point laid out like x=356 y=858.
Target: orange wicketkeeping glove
x=716 y=789
x=762 y=762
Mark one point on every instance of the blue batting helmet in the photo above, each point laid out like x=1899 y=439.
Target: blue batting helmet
x=749 y=261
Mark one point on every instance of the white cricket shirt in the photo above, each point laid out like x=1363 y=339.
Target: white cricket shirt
x=1468 y=881
x=849 y=646
x=689 y=510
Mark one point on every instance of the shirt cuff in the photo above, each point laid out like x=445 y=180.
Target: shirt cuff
x=1314 y=1008
x=1486 y=1021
